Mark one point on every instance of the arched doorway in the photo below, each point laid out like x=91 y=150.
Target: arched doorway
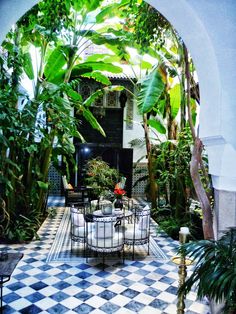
x=208 y=31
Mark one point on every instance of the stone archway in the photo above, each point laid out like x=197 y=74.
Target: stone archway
x=208 y=29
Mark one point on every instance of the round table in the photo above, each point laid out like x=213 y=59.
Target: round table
x=115 y=212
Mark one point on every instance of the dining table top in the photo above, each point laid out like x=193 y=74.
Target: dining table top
x=114 y=213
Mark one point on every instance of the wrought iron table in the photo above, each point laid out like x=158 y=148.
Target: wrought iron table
x=114 y=213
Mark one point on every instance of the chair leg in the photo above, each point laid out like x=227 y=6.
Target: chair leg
x=84 y=249
x=148 y=247
x=123 y=255
x=87 y=255
x=103 y=261
x=133 y=252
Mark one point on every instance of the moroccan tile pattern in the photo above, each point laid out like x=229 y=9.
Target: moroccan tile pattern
x=147 y=286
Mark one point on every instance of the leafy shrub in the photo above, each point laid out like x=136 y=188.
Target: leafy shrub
x=215 y=270
x=100 y=176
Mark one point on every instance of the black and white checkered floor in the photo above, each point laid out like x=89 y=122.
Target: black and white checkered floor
x=147 y=286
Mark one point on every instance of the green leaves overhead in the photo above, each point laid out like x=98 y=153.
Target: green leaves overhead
x=113 y=88
x=107 y=58
x=74 y=95
x=150 y=91
x=97 y=76
x=56 y=62
x=110 y=10
x=158 y=125
x=43 y=185
x=27 y=65
x=98 y=66
x=87 y=114
x=175 y=100
x=91 y=99
x=90 y=5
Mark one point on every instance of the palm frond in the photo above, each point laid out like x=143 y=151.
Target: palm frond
x=215 y=270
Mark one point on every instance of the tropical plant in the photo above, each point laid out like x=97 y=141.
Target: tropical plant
x=160 y=90
x=39 y=128
x=155 y=31
x=214 y=274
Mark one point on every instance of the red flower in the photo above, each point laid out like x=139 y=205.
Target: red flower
x=119 y=192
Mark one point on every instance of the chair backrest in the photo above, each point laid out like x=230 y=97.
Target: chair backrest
x=107 y=235
x=77 y=215
x=80 y=226
x=104 y=227
x=138 y=232
x=77 y=218
x=144 y=220
x=128 y=203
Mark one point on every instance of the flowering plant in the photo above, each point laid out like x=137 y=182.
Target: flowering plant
x=119 y=192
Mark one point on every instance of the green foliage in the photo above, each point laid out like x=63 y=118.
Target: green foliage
x=172 y=168
x=170 y=225
x=41 y=128
x=149 y=25
x=158 y=125
x=165 y=217
x=215 y=271
x=23 y=228
x=175 y=100
x=151 y=89
x=100 y=176
x=52 y=211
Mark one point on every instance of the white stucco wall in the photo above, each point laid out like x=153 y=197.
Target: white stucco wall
x=135 y=133
x=208 y=29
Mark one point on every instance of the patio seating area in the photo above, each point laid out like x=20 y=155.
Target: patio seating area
x=79 y=286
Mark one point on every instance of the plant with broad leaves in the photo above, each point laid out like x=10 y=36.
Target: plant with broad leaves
x=214 y=274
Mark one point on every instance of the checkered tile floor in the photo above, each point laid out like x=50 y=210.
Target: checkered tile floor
x=148 y=286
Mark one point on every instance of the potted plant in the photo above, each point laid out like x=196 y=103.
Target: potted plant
x=119 y=193
x=215 y=270
x=101 y=177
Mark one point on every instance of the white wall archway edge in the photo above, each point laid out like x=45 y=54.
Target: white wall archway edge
x=208 y=29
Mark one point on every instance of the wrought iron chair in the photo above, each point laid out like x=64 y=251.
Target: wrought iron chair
x=107 y=236
x=78 y=194
x=138 y=231
x=80 y=225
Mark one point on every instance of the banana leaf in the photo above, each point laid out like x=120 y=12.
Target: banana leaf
x=150 y=91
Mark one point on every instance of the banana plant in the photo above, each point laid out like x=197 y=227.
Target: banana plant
x=150 y=91
x=50 y=50
x=64 y=67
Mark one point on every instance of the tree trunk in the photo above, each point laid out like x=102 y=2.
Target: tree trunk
x=152 y=181
x=207 y=221
x=196 y=161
